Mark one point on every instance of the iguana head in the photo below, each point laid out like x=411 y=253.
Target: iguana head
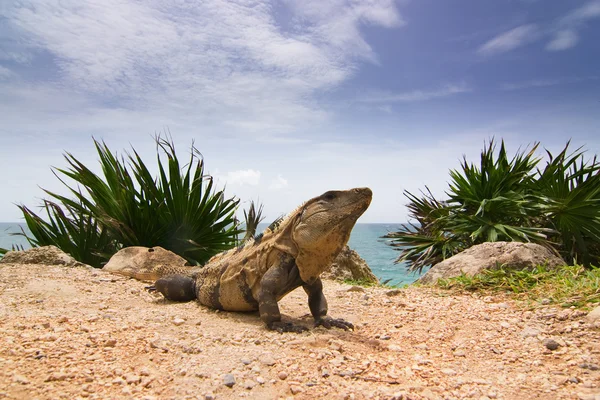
x=322 y=226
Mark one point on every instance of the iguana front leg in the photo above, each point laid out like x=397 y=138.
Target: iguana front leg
x=274 y=282
x=318 y=307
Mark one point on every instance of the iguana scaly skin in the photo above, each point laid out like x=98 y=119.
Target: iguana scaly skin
x=290 y=253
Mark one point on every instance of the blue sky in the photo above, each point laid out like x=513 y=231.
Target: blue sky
x=288 y=99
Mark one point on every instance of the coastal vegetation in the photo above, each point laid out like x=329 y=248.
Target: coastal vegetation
x=180 y=210
x=508 y=199
x=571 y=286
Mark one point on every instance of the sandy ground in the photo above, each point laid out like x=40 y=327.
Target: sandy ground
x=79 y=333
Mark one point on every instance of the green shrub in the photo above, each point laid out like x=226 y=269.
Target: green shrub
x=179 y=210
x=506 y=199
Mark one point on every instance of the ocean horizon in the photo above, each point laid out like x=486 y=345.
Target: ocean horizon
x=365 y=240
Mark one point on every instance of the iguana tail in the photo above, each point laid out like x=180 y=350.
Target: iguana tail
x=152 y=273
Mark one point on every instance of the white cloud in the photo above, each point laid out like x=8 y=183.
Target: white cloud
x=5 y=73
x=415 y=95
x=563 y=40
x=242 y=177
x=510 y=40
x=546 y=82
x=589 y=10
x=278 y=183
x=232 y=63
x=565 y=34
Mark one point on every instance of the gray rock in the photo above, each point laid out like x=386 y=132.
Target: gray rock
x=594 y=315
x=137 y=257
x=492 y=255
x=551 y=344
x=228 y=380
x=47 y=255
x=348 y=265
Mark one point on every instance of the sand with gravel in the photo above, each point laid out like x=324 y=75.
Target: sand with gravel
x=76 y=333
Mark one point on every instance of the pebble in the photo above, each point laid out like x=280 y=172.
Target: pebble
x=260 y=380
x=267 y=359
x=228 y=380
x=282 y=375
x=551 y=344
x=110 y=343
x=530 y=332
x=459 y=353
x=178 y=321
x=21 y=379
x=296 y=389
x=448 y=371
x=590 y=366
x=246 y=361
x=356 y=289
x=393 y=292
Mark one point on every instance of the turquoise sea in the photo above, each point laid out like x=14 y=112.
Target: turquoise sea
x=365 y=239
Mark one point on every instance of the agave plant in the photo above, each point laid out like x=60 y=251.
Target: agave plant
x=179 y=210
x=252 y=218
x=511 y=200
x=569 y=189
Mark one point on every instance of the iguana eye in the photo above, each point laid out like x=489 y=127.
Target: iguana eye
x=329 y=196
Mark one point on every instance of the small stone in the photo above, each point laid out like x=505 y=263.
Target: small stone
x=110 y=343
x=62 y=320
x=325 y=373
x=282 y=375
x=132 y=378
x=551 y=344
x=118 y=381
x=590 y=366
x=209 y=396
x=504 y=325
x=356 y=289
x=394 y=347
x=530 y=332
x=393 y=292
x=178 y=321
x=228 y=380
x=385 y=337
x=459 y=353
x=448 y=371
x=249 y=384
x=267 y=359
x=20 y=379
x=260 y=380
x=246 y=361
x=546 y=301
x=296 y=389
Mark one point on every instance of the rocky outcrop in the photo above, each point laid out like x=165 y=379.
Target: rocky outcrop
x=136 y=258
x=349 y=265
x=492 y=255
x=48 y=255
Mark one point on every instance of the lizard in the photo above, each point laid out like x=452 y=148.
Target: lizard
x=291 y=252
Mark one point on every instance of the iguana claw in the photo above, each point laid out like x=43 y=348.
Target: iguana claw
x=329 y=323
x=287 y=327
x=150 y=289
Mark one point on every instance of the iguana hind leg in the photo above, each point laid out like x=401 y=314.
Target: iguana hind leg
x=175 y=287
x=318 y=307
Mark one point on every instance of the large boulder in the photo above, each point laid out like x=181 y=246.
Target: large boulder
x=492 y=255
x=138 y=258
x=47 y=255
x=348 y=265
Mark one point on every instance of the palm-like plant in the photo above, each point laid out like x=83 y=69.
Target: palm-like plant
x=508 y=199
x=179 y=210
x=252 y=218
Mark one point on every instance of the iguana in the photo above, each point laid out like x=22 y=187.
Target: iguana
x=292 y=252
